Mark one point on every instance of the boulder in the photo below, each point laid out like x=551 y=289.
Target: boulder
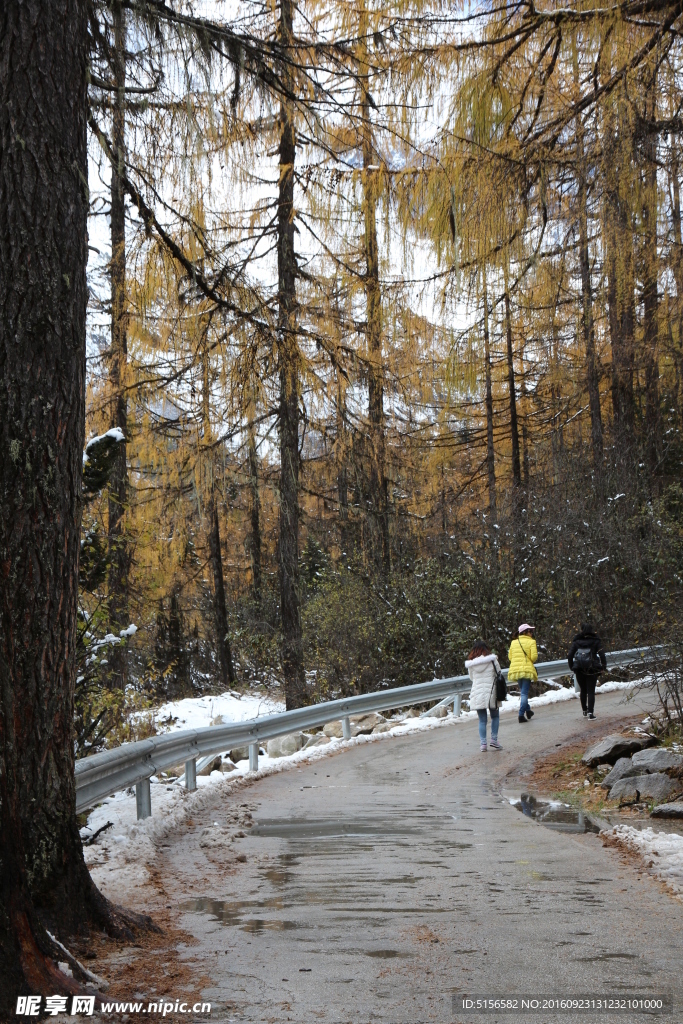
x=623 y=769
x=242 y=753
x=361 y=724
x=317 y=741
x=383 y=727
x=283 y=746
x=650 y=761
x=617 y=745
x=212 y=766
x=227 y=765
x=333 y=730
x=412 y=713
x=640 y=788
x=674 y=810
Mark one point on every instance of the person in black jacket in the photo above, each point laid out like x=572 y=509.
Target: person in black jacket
x=587 y=660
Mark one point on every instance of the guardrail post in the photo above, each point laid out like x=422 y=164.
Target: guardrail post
x=346 y=728
x=576 y=685
x=457 y=705
x=191 y=775
x=143 y=799
x=253 y=757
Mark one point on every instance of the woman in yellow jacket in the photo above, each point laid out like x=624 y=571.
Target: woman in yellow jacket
x=523 y=655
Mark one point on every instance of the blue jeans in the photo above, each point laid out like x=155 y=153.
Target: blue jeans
x=495 y=718
x=524 y=686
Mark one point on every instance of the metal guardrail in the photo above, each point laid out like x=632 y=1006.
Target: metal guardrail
x=133 y=764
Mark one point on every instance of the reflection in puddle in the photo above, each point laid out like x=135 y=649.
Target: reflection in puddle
x=558 y=816
x=386 y=954
x=233 y=914
x=329 y=828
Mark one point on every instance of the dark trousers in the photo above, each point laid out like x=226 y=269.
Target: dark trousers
x=587 y=687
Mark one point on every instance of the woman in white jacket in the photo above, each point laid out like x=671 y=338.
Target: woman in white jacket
x=482 y=667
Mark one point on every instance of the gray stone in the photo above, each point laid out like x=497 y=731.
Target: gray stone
x=242 y=753
x=412 y=713
x=213 y=766
x=333 y=730
x=650 y=761
x=383 y=727
x=361 y=724
x=654 y=788
x=317 y=741
x=623 y=769
x=674 y=810
x=283 y=746
x=617 y=745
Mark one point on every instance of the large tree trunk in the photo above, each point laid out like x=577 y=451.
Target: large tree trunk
x=288 y=355
x=490 y=455
x=118 y=481
x=373 y=304
x=43 y=249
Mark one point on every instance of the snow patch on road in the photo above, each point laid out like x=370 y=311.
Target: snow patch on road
x=661 y=851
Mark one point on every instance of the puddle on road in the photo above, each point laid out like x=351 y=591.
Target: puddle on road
x=557 y=816
x=234 y=914
x=335 y=828
x=386 y=954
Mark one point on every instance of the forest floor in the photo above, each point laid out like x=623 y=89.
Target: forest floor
x=388 y=880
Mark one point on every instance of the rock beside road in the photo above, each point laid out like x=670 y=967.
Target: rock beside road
x=651 y=761
x=673 y=810
x=617 y=745
x=360 y=725
x=242 y=753
x=283 y=746
x=623 y=769
x=656 y=788
x=317 y=741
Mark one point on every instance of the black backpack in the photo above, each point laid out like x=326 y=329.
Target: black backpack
x=586 y=660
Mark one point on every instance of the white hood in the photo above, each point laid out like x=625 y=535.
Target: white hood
x=483 y=659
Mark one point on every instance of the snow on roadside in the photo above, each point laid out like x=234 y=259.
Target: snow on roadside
x=118 y=858
x=198 y=712
x=661 y=851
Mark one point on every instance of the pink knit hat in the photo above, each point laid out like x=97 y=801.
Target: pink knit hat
x=525 y=626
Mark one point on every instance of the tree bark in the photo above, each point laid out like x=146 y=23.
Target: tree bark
x=618 y=235
x=255 y=515
x=118 y=481
x=220 y=613
x=373 y=301
x=516 y=465
x=490 y=454
x=678 y=275
x=340 y=460
x=653 y=419
x=227 y=676
x=43 y=251
x=288 y=355
x=587 y=322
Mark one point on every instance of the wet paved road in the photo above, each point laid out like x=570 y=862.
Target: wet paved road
x=384 y=881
